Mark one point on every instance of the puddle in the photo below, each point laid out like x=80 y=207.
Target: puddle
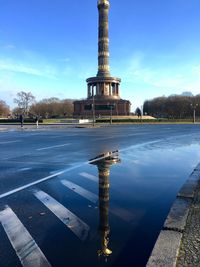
x=107 y=202
x=125 y=197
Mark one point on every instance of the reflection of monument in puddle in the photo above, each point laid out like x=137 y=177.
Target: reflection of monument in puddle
x=103 y=164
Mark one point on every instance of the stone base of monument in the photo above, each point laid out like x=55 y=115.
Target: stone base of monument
x=106 y=107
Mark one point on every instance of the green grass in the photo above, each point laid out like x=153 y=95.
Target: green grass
x=154 y=121
x=50 y=121
x=107 y=120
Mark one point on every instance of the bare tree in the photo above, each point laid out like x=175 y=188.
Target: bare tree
x=4 y=109
x=176 y=106
x=24 y=101
x=53 y=108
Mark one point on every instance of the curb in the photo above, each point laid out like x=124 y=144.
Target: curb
x=166 y=250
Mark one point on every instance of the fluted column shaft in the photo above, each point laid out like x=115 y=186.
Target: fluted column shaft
x=103 y=39
x=104 y=173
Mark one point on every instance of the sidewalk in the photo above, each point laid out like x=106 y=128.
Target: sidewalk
x=32 y=127
x=178 y=244
x=189 y=254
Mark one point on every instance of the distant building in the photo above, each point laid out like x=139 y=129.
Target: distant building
x=103 y=92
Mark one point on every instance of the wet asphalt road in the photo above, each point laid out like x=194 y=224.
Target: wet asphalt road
x=32 y=163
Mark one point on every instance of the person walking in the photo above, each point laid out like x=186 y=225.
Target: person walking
x=37 y=121
x=21 y=119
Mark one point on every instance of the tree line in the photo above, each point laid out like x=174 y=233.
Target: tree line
x=52 y=108
x=4 y=109
x=46 y=108
x=174 y=107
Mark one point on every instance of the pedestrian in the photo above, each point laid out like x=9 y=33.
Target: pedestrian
x=37 y=121
x=21 y=119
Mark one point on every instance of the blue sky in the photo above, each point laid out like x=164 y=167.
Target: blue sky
x=49 y=47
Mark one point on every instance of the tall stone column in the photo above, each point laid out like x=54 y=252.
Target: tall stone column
x=104 y=185
x=106 y=86
x=104 y=228
x=89 y=93
x=103 y=39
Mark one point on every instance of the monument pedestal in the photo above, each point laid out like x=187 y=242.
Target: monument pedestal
x=84 y=108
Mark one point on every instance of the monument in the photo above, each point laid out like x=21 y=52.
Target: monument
x=103 y=94
x=103 y=166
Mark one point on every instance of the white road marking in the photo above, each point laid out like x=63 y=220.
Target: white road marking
x=104 y=138
x=75 y=224
x=40 y=180
x=36 y=163
x=9 y=142
x=32 y=134
x=50 y=147
x=48 y=177
x=23 y=169
x=133 y=134
x=27 y=250
x=89 y=176
x=63 y=136
x=31 y=184
x=69 y=169
x=81 y=191
x=117 y=211
x=123 y=214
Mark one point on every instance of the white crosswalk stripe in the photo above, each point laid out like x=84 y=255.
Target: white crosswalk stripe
x=75 y=224
x=123 y=214
x=27 y=250
x=50 y=147
x=24 y=169
x=25 y=246
x=81 y=191
x=89 y=176
x=117 y=211
x=9 y=142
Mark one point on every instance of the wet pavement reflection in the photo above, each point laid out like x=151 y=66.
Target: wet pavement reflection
x=132 y=210
x=101 y=201
x=103 y=166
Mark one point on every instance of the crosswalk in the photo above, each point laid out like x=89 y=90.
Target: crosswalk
x=117 y=211
x=89 y=176
x=75 y=224
x=81 y=191
x=24 y=245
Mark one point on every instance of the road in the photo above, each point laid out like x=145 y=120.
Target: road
x=49 y=213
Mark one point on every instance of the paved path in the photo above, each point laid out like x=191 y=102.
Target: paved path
x=189 y=255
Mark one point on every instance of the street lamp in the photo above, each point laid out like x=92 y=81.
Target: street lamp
x=194 y=106
x=93 y=111
x=111 y=108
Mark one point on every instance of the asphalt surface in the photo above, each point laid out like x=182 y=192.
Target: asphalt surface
x=32 y=163
x=38 y=153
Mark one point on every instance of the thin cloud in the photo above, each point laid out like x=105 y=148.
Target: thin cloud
x=9 y=46
x=184 y=77
x=44 y=71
